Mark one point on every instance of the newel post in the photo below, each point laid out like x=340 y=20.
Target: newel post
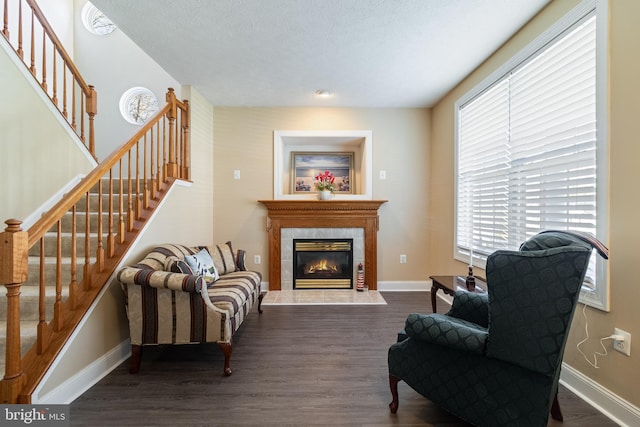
x=14 y=248
x=172 y=166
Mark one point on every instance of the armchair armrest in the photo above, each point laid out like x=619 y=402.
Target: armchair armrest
x=471 y=307
x=447 y=331
x=161 y=279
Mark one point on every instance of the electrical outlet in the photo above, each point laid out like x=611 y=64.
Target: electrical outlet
x=403 y=259
x=623 y=346
x=257 y=259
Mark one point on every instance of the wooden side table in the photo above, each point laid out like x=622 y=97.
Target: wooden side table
x=450 y=284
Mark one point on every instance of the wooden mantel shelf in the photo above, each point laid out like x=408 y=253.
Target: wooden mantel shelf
x=323 y=214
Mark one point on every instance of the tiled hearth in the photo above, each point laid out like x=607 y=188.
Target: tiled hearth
x=323 y=297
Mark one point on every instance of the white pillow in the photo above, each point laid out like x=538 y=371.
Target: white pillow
x=202 y=264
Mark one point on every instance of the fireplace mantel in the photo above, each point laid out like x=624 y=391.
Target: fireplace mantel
x=323 y=214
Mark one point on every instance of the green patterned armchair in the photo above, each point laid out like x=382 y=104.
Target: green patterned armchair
x=494 y=359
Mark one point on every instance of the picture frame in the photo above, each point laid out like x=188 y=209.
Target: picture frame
x=306 y=165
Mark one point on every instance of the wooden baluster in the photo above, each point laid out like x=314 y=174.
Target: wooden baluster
x=82 y=104
x=74 y=124
x=121 y=223
x=153 y=183
x=20 y=51
x=73 y=284
x=86 y=276
x=32 y=68
x=137 y=193
x=14 y=248
x=44 y=61
x=129 y=196
x=58 y=314
x=100 y=245
x=55 y=78
x=172 y=168
x=111 y=245
x=65 y=113
x=186 y=155
x=44 y=331
x=5 y=26
x=145 y=173
x=165 y=163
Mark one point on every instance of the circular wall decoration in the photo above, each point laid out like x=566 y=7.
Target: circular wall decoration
x=95 y=21
x=138 y=104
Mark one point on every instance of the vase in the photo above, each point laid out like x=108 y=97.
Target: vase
x=325 y=195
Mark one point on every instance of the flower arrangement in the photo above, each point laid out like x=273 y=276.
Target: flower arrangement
x=324 y=181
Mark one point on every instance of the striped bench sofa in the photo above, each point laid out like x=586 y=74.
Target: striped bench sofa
x=168 y=302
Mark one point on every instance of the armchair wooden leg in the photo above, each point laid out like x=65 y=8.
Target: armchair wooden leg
x=136 y=357
x=226 y=348
x=393 y=385
x=556 y=413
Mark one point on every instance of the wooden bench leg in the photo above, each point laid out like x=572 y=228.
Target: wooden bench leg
x=262 y=294
x=136 y=357
x=226 y=348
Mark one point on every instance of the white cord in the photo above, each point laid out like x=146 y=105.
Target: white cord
x=596 y=354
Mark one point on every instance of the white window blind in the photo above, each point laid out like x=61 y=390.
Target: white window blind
x=527 y=148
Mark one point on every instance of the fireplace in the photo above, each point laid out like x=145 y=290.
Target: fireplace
x=323 y=263
x=327 y=214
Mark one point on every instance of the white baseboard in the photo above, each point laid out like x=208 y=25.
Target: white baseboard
x=75 y=386
x=408 y=286
x=405 y=286
x=603 y=400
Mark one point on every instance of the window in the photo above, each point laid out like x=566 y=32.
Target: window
x=95 y=21
x=530 y=148
x=138 y=104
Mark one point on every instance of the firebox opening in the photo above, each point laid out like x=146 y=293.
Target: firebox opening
x=323 y=263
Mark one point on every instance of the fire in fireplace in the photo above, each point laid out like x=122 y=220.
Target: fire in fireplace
x=323 y=263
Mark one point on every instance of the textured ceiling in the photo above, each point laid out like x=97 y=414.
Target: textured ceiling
x=367 y=53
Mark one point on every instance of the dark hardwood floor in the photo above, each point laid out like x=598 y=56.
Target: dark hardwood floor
x=292 y=366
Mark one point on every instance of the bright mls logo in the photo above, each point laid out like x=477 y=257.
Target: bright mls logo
x=35 y=415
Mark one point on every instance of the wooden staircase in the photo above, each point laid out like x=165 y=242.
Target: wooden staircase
x=69 y=266
x=30 y=290
x=53 y=271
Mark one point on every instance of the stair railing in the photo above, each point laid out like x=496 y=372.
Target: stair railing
x=41 y=51
x=129 y=184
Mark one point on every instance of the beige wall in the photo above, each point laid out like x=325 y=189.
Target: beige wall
x=617 y=372
x=244 y=141
x=34 y=136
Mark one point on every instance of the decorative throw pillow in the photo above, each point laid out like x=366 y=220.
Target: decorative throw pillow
x=240 y=260
x=223 y=258
x=176 y=265
x=202 y=264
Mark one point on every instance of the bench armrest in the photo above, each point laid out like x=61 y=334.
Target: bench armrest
x=161 y=279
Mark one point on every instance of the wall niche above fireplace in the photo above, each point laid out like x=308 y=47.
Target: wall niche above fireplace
x=358 y=142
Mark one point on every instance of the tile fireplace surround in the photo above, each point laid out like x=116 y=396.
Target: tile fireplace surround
x=317 y=214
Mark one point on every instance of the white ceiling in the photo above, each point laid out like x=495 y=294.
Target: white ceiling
x=367 y=53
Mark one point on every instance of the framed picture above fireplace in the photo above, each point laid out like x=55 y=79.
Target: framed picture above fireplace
x=306 y=165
